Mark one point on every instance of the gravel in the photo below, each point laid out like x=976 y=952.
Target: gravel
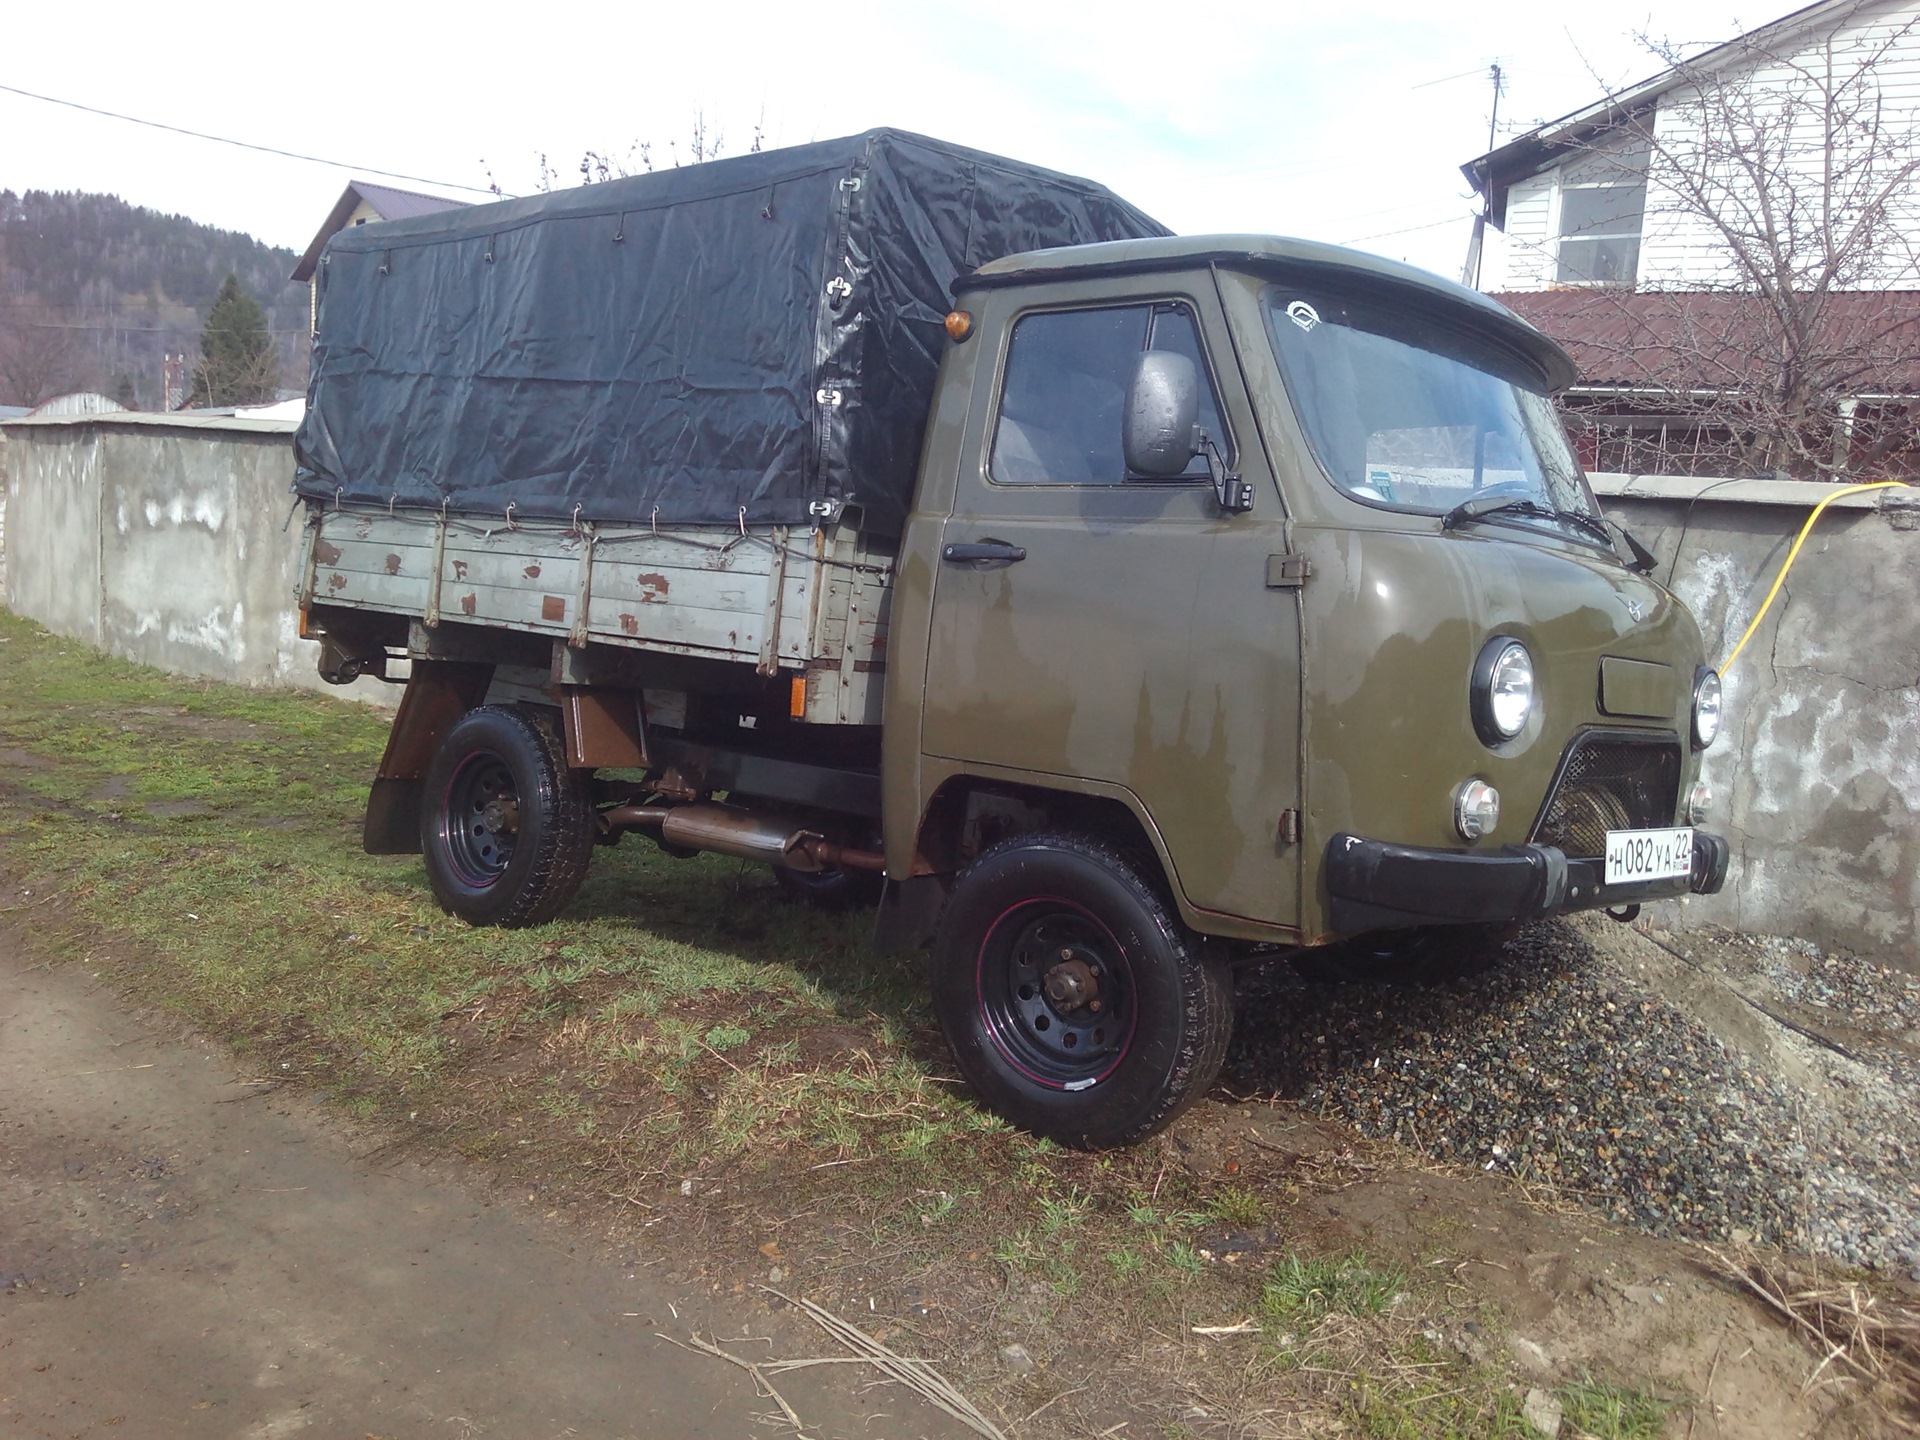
x=1573 y=1064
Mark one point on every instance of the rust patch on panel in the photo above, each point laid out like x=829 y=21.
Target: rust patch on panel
x=393 y=564
x=630 y=624
x=336 y=581
x=459 y=569
x=653 y=588
x=533 y=572
x=553 y=608
x=326 y=552
x=467 y=602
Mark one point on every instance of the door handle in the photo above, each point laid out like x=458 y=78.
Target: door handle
x=989 y=551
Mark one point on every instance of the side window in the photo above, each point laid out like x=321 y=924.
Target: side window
x=1066 y=383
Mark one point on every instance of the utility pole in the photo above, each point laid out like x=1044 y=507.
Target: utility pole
x=1476 y=246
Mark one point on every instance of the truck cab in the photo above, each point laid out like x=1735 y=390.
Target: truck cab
x=1359 y=658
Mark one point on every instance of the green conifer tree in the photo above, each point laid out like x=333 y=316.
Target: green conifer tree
x=238 y=362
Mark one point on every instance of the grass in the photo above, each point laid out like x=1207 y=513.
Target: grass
x=683 y=1053
x=1302 y=1289
x=1609 y=1411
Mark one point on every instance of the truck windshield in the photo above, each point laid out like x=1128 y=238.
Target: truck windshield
x=1408 y=416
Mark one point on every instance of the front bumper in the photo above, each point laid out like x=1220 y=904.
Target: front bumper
x=1372 y=885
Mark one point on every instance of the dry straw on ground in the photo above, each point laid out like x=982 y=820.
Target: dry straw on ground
x=917 y=1375
x=1857 y=1333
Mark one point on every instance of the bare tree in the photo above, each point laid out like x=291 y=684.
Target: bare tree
x=39 y=361
x=705 y=141
x=1782 y=182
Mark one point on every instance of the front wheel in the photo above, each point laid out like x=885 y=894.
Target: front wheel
x=1076 y=1004
x=507 y=829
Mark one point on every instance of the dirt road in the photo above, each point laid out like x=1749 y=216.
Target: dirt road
x=187 y=1252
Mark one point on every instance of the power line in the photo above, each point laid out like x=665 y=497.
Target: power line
x=245 y=145
x=1431 y=225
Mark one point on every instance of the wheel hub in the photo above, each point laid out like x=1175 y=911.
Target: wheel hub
x=1073 y=984
x=501 y=816
x=1056 y=993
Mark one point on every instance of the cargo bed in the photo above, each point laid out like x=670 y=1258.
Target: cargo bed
x=811 y=604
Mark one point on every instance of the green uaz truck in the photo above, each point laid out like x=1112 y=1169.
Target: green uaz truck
x=937 y=529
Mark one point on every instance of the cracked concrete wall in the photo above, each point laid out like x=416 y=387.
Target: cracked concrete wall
x=169 y=547
x=1816 y=779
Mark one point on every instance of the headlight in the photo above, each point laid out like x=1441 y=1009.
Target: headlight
x=1706 y=708
x=1502 y=690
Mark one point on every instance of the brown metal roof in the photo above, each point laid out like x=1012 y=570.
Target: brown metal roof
x=391 y=204
x=1863 y=342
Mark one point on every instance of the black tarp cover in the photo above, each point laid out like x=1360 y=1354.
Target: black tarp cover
x=749 y=334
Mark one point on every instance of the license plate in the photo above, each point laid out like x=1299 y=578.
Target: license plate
x=1635 y=855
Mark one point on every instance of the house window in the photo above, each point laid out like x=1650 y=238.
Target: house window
x=1603 y=199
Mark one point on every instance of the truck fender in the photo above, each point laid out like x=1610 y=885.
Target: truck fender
x=438 y=693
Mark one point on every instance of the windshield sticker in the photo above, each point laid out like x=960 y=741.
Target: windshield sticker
x=1303 y=314
x=1380 y=481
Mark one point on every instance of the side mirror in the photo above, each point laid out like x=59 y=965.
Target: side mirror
x=1163 y=404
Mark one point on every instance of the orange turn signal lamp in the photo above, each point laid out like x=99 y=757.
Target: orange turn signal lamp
x=959 y=324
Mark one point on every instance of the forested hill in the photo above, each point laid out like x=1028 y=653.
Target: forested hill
x=95 y=293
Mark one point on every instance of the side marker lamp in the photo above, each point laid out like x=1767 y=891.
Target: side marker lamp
x=1476 y=809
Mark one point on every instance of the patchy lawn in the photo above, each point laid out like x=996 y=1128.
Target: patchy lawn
x=739 y=1091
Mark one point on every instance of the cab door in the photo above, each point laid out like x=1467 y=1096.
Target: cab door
x=1077 y=630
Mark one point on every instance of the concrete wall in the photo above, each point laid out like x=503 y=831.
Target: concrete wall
x=164 y=540
x=1816 y=779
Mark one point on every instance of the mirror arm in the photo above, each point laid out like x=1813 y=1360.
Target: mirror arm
x=1234 y=494
x=1643 y=561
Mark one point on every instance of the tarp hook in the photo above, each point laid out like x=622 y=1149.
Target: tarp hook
x=656 y=520
x=512 y=524
x=338 y=491
x=743 y=520
x=392 y=500
x=576 y=519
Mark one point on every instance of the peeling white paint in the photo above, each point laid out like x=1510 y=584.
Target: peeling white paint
x=218 y=632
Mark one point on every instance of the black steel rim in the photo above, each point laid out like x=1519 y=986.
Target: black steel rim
x=479 y=822
x=1056 y=993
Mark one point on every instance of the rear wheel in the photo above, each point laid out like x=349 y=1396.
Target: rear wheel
x=1077 y=1005
x=507 y=829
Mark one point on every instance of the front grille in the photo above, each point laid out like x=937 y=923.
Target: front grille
x=1608 y=782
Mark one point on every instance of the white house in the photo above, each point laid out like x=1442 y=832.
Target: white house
x=1731 y=251
x=1620 y=192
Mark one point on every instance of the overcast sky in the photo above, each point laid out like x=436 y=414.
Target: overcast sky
x=1341 y=123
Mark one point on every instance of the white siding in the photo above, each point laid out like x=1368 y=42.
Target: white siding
x=1526 y=251
x=1683 y=249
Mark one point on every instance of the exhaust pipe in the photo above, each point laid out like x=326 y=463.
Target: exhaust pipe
x=750 y=834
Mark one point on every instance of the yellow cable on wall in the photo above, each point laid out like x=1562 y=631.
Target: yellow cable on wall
x=1793 y=554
